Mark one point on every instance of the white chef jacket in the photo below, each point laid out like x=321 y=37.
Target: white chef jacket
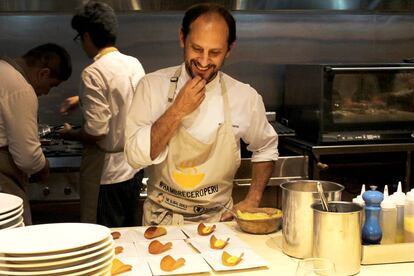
x=18 y=120
x=247 y=112
x=107 y=88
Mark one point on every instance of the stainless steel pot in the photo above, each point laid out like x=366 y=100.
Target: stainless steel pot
x=297 y=227
x=337 y=235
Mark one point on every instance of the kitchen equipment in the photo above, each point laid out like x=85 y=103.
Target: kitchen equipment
x=371 y=231
x=322 y=196
x=261 y=225
x=297 y=198
x=337 y=235
x=350 y=103
x=315 y=266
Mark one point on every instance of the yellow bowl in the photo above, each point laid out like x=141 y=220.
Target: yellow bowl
x=261 y=225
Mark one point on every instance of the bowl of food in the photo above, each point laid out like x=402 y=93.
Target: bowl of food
x=259 y=220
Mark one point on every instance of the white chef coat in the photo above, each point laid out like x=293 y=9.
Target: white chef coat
x=247 y=112
x=107 y=88
x=18 y=119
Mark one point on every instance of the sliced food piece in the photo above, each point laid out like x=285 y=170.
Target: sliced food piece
x=154 y=232
x=229 y=260
x=168 y=263
x=116 y=235
x=119 y=267
x=217 y=243
x=205 y=230
x=156 y=247
x=119 y=250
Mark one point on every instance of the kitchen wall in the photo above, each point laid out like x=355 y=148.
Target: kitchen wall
x=266 y=41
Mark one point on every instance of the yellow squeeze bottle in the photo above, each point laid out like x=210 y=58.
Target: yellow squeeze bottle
x=409 y=217
x=399 y=198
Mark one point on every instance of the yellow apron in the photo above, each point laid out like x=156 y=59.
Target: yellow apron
x=93 y=159
x=13 y=181
x=196 y=179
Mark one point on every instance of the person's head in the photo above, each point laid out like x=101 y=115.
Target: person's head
x=96 y=25
x=47 y=65
x=208 y=33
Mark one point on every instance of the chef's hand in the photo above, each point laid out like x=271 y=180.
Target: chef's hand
x=190 y=96
x=242 y=205
x=41 y=175
x=69 y=105
x=65 y=131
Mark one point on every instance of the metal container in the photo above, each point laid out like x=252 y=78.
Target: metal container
x=337 y=235
x=297 y=226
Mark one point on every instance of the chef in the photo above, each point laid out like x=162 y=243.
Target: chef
x=185 y=123
x=22 y=80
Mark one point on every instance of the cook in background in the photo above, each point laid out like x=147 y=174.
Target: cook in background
x=22 y=80
x=108 y=189
x=186 y=123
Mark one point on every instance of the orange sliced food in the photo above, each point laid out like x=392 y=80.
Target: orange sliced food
x=229 y=260
x=154 y=232
x=168 y=263
x=119 y=267
x=205 y=230
x=217 y=243
x=156 y=247
x=119 y=250
x=116 y=235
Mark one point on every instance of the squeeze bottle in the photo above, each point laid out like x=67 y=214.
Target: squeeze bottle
x=399 y=198
x=409 y=217
x=388 y=219
x=358 y=200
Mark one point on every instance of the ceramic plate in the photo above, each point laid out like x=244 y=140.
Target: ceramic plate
x=9 y=202
x=202 y=244
x=12 y=213
x=19 y=223
x=250 y=259
x=51 y=238
x=173 y=233
x=191 y=229
x=139 y=267
x=194 y=263
x=66 y=255
x=11 y=220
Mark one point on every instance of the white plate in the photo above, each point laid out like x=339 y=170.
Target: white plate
x=55 y=264
x=139 y=267
x=194 y=263
x=249 y=260
x=127 y=236
x=71 y=254
x=51 y=238
x=178 y=247
x=11 y=220
x=80 y=269
x=191 y=229
x=19 y=223
x=11 y=213
x=173 y=233
x=129 y=250
x=9 y=202
x=202 y=244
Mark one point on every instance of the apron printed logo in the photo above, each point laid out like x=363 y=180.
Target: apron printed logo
x=199 y=209
x=190 y=194
x=175 y=203
x=160 y=198
x=187 y=175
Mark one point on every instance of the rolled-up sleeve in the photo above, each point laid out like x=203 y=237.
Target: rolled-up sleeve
x=261 y=137
x=139 y=121
x=20 y=117
x=95 y=107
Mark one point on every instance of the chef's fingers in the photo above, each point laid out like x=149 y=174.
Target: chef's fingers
x=226 y=216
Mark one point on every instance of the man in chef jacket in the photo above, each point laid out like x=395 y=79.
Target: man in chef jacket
x=22 y=80
x=185 y=124
x=108 y=190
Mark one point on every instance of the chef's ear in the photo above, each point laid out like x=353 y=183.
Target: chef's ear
x=231 y=47
x=182 y=39
x=43 y=73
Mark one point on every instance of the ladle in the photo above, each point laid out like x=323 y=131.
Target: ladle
x=322 y=196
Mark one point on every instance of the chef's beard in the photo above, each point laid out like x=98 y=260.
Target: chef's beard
x=211 y=67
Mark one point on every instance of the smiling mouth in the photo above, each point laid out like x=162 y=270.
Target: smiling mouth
x=201 y=68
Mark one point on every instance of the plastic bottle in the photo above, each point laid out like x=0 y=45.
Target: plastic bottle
x=358 y=200
x=409 y=217
x=388 y=219
x=371 y=232
x=399 y=198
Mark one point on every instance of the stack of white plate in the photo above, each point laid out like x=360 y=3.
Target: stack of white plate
x=11 y=211
x=56 y=249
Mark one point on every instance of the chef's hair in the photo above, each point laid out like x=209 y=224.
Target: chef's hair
x=197 y=10
x=99 y=20
x=51 y=56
